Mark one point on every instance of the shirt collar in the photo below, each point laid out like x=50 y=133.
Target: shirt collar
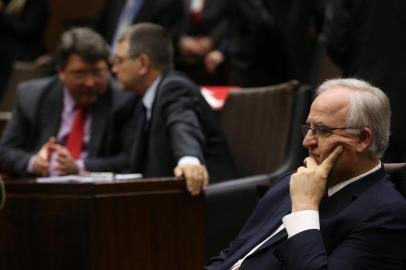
x=332 y=190
x=68 y=101
x=149 y=96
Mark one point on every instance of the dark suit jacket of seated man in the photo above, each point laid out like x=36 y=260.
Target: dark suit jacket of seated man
x=183 y=124
x=359 y=223
x=183 y=132
x=35 y=142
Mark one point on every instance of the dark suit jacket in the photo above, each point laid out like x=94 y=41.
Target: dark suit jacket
x=363 y=226
x=256 y=49
x=167 y=13
x=213 y=22
x=366 y=39
x=37 y=116
x=22 y=35
x=183 y=124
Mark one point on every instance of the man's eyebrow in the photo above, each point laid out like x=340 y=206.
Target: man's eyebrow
x=308 y=122
x=319 y=124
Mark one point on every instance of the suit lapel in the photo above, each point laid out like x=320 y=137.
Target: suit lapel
x=51 y=115
x=269 y=226
x=273 y=224
x=99 y=121
x=330 y=207
x=139 y=150
x=337 y=202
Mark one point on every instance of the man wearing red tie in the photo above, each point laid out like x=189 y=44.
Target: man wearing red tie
x=74 y=122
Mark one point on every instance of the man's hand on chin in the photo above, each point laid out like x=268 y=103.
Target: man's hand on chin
x=308 y=184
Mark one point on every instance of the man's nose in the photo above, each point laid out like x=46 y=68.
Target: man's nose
x=309 y=141
x=114 y=69
x=89 y=81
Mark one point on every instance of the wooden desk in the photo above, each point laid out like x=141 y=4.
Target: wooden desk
x=139 y=224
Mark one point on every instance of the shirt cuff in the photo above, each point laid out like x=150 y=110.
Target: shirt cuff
x=81 y=165
x=30 y=166
x=189 y=160
x=300 y=221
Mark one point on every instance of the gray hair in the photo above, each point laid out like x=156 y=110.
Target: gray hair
x=369 y=108
x=152 y=40
x=83 y=41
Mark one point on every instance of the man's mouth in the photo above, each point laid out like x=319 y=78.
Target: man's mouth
x=316 y=157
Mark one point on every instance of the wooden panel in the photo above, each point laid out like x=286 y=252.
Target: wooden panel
x=135 y=225
x=63 y=11
x=44 y=231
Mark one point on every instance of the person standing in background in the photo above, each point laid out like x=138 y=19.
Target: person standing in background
x=116 y=15
x=367 y=40
x=254 y=46
x=203 y=30
x=22 y=27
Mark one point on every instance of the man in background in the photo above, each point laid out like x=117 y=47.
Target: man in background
x=117 y=15
x=22 y=27
x=73 y=122
x=177 y=130
x=366 y=40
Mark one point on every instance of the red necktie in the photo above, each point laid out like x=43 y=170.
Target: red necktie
x=74 y=142
x=196 y=7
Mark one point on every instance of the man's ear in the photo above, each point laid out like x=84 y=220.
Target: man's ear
x=61 y=74
x=364 y=139
x=145 y=63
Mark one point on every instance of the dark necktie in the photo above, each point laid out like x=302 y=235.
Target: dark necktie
x=139 y=152
x=74 y=142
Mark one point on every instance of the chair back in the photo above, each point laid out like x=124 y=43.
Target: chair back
x=397 y=173
x=258 y=124
x=21 y=71
x=262 y=126
x=4 y=119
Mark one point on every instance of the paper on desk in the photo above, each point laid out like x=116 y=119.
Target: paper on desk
x=92 y=178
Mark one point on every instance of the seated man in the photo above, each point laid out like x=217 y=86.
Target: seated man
x=73 y=122
x=339 y=210
x=178 y=132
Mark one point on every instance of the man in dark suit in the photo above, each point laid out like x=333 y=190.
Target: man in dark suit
x=339 y=210
x=74 y=122
x=167 y=13
x=254 y=47
x=181 y=130
x=366 y=40
x=204 y=28
x=22 y=27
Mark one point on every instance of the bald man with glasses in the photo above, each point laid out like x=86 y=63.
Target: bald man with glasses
x=72 y=123
x=339 y=210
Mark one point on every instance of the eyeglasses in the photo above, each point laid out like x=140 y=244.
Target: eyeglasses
x=322 y=132
x=118 y=60
x=81 y=74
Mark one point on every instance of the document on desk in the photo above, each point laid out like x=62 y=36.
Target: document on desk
x=91 y=178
